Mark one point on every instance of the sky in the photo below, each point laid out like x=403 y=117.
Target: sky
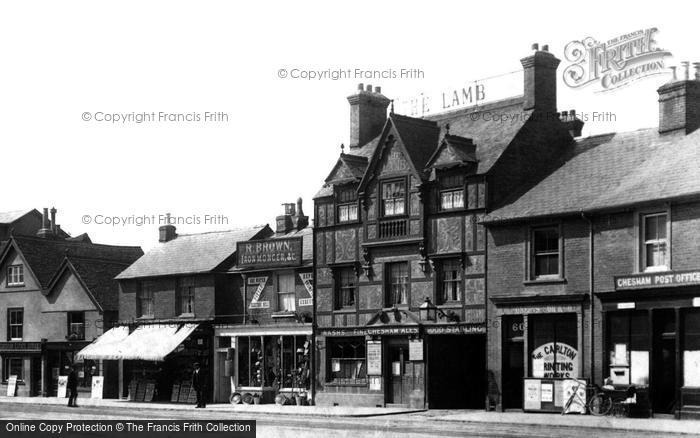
x=67 y=62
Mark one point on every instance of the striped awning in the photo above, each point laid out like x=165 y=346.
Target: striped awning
x=151 y=342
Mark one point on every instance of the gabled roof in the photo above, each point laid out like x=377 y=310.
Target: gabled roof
x=492 y=127
x=613 y=171
x=349 y=168
x=453 y=151
x=8 y=217
x=192 y=253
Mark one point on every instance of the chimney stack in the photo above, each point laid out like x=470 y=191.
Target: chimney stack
x=367 y=114
x=540 y=80
x=293 y=218
x=45 y=230
x=53 y=221
x=167 y=232
x=679 y=102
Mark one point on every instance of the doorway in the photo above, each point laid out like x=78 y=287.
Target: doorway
x=513 y=362
x=456 y=370
x=664 y=362
x=404 y=375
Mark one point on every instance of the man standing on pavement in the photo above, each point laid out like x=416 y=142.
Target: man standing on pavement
x=198 y=384
x=73 y=388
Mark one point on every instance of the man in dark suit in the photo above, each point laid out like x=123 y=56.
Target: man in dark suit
x=199 y=384
x=73 y=388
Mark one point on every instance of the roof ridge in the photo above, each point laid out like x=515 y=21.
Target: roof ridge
x=72 y=242
x=605 y=134
x=414 y=120
x=224 y=231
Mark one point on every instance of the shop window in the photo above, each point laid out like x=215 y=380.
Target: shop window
x=85 y=371
x=185 y=296
x=394 y=198
x=345 y=287
x=277 y=361
x=286 y=293
x=553 y=346
x=250 y=358
x=628 y=348
x=15 y=275
x=76 y=325
x=13 y=366
x=452 y=192
x=397 y=287
x=691 y=348
x=545 y=253
x=655 y=245
x=15 y=324
x=347 y=205
x=144 y=300
x=347 y=361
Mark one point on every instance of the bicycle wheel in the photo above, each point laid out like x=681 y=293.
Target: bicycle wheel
x=600 y=404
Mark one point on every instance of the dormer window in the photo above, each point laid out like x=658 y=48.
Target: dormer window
x=394 y=198
x=15 y=275
x=451 y=192
x=347 y=205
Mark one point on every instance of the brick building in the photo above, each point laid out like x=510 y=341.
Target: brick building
x=57 y=295
x=168 y=303
x=399 y=246
x=269 y=354
x=593 y=270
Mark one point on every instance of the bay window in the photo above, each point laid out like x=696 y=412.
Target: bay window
x=394 y=198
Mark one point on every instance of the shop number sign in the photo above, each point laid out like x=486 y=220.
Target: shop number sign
x=555 y=360
x=374 y=358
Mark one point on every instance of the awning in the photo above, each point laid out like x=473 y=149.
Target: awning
x=105 y=344
x=148 y=342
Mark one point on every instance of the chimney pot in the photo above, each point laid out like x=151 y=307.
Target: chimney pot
x=535 y=46
x=45 y=230
x=378 y=90
x=545 y=48
x=686 y=67
x=572 y=113
x=697 y=70
x=369 y=88
x=167 y=232
x=360 y=86
x=673 y=70
x=53 y=220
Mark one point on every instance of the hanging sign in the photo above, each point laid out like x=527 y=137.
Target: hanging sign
x=555 y=360
x=307 y=278
x=255 y=303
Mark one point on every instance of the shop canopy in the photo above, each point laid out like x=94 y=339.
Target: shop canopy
x=148 y=342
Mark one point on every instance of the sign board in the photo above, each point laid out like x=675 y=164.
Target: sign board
x=461 y=329
x=369 y=331
x=547 y=392
x=374 y=358
x=62 y=387
x=552 y=360
x=150 y=391
x=375 y=383
x=185 y=388
x=269 y=253
x=415 y=349
x=175 y=393
x=12 y=386
x=574 y=391
x=307 y=279
x=657 y=280
x=97 y=386
x=255 y=302
x=33 y=347
x=532 y=394
x=306 y=302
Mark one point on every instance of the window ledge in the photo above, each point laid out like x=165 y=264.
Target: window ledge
x=450 y=305
x=338 y=384
x=345 y=310
x=186 y=315
x=146 y=317
x=15 y=284
x=283 y=314
x=558 y=280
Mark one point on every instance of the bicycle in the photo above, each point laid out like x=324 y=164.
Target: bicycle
x=602 y=403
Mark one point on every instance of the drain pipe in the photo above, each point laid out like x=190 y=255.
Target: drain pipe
x=591 y=287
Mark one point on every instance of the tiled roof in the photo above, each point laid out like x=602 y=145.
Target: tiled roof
x=492 y=127
x=7 y=217
x=613 y=170
x=99 y=277
x=366 y=151
x=192 y=253
x=45 y=256
x=420 y=138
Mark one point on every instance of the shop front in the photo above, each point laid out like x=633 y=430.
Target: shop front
x=651 y=338
x=264 y=365
x=541 y=352
x=155 y=361
x=23 y=361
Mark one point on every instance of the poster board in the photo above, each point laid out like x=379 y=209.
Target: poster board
x=150 y=391
x=62 y=387
x=192 y=396
x=374 y=358
x=97 y=386
x=141 y=390
x=12 y=386
x=552 y=395
x=175 y=393
x=415 y=350
x=184 y=391
x=531 y=397
x=133 y=385
x=691 y=368
x=574 y=396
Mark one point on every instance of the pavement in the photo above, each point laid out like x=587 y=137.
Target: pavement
x=660 y=425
